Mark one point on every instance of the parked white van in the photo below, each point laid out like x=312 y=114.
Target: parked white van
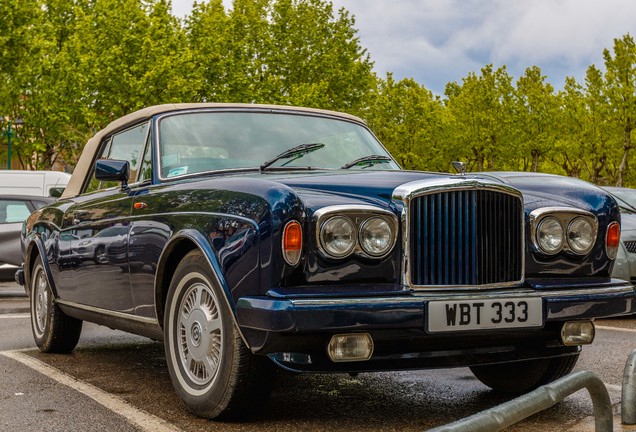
x=34 y=183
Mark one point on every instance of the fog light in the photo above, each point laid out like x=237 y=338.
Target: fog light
x=350 y=347
x=577 y=333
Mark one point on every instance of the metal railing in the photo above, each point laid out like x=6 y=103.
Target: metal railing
x=511 y=412
x=628 y=393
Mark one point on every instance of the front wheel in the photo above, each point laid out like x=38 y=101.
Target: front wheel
x=100 y=255
x=53 y=330
x=522 y=376
x=211 y=369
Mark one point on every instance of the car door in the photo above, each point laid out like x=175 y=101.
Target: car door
x=149 y=234
x=97 y=230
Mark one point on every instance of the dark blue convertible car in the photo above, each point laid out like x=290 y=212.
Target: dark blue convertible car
x=248 y=236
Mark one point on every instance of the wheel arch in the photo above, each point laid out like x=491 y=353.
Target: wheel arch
x=34 y=249
x=175 y=250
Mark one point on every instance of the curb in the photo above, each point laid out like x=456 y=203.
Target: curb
x=17 y=310
x=13 y=294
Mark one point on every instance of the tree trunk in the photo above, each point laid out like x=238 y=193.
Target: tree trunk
x=627 y=145
x=535 y=160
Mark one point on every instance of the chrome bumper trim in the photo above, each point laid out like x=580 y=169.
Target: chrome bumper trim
x=418 y=296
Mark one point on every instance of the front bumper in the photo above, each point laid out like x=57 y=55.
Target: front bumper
x=397 y=324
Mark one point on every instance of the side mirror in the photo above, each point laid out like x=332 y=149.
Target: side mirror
x=113 y=170
x=56 y=192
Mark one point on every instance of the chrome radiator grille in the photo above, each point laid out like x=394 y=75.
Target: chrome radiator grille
x=465 y=237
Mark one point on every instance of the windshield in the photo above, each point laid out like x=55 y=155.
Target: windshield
x=207 y=141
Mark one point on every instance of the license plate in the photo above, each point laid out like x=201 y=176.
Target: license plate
x=482 y=314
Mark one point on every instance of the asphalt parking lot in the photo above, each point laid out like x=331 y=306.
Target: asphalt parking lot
x=114 y=366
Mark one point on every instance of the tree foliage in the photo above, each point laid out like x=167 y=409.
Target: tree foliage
x=619 y=89
x=69 y=67
x=585 y=130
x=409 y=120
x=480 y=110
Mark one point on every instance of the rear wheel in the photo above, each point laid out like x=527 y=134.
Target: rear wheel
x=211 y=369
x=522 y=376
x=53 y=330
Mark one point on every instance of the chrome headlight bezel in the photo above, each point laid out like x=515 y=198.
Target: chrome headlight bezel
x=328 y=226
x=565 y=217
x=381 y=223
x=359 y=216
x=549 y=230
x=572 y=239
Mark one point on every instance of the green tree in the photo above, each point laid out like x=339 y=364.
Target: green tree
x=130 y=54
x=208 y=29
x=53 y=131
x=22 y=44
x=620 y=80
x=408 y=120
x=315 y=57
x=535 y=118
x=480 y=112
x=284 y=52
x=585 y=148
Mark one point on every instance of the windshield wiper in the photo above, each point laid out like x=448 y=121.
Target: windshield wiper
x=294 y=153
x=368 y=161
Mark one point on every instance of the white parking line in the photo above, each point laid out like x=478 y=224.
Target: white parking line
x=14 y=316
x=623 y=329
x=141 y=419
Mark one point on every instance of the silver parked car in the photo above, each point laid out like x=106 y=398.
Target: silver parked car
x=14 y=209
x=625 y=265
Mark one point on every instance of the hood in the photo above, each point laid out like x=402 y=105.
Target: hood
x=371 y=187
x=545 y=190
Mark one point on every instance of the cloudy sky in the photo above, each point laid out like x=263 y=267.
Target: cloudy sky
x=437 y=41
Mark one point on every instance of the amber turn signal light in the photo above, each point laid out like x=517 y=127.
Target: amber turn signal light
x=612 y=239
x=292 y=242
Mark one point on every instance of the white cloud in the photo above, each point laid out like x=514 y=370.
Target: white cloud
x=437 y=41
x=181 y=8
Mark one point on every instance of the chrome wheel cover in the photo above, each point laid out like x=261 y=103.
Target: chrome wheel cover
x=40 y=308
x=100 y=255
x=199 y=334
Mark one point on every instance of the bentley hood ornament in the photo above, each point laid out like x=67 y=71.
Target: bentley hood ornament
x=460 y=167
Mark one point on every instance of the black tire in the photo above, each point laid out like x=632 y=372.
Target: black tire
x=100 y=255
x=53 y=330
x=523 y=376
x=217 y=376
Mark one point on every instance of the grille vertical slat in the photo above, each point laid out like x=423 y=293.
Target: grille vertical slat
x=465 y=237
x=474 y=232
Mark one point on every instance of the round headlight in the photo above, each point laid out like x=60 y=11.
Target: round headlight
x=581 y=235
x=376 y=236
x=550 y=235
x=338 y=236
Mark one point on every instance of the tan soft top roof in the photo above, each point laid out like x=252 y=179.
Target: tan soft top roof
x=83 y=166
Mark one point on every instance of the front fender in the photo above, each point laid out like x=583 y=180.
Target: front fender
x=180 y=244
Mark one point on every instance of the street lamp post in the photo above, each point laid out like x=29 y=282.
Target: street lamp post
x=9 y=133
